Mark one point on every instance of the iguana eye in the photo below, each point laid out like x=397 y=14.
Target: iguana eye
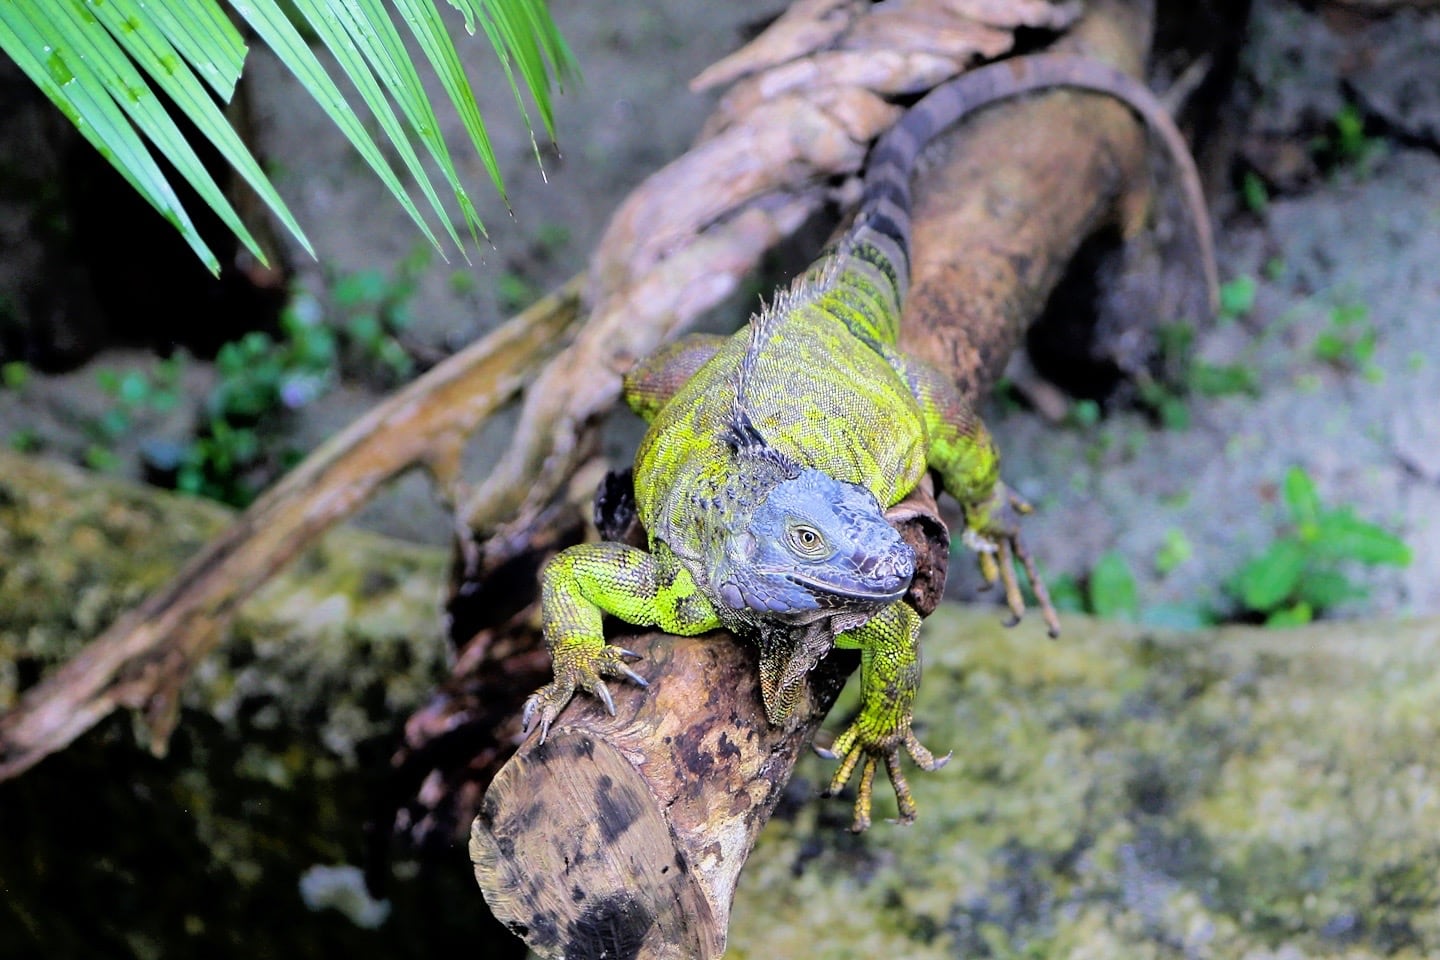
x=807 y=542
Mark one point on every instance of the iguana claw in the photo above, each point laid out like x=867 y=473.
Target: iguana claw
x=854 y=745
x=578 y=668
x=994 y=533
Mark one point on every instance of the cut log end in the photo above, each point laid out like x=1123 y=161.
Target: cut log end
x=562 y=888
x=626 y=834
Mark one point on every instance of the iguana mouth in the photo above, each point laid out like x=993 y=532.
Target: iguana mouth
x=847 y=591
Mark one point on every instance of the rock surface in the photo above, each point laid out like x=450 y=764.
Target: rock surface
x=220 y=848
x=1238 y=793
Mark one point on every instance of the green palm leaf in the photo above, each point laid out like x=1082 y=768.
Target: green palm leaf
x=98 y=59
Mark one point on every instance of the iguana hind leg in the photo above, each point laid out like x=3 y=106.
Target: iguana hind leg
x=577 y=588
x=889 y=645
x=964 y=454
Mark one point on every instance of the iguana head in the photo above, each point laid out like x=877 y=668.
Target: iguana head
x=814 y=547
x=815 y=556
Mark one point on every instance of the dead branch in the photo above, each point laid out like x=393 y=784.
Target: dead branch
x=142 y=660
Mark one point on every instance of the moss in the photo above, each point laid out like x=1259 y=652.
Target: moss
x=274 y=766
x=1235 y=793
x=1118 y=792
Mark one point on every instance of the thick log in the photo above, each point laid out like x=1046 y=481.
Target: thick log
x=1004 y=204
x=624 y=836
x=575 y=836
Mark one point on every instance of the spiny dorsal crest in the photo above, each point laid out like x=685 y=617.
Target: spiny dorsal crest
x=748 y=444
x=741 y=434
x=806 y=288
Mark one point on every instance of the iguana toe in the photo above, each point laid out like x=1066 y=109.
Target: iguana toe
x=993 y=532
x=578 y=669
x=543 y=706
x=867 y=751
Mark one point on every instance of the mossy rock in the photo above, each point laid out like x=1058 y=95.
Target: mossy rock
x=1236 y=793
x=1125 y=793
x=276 y=766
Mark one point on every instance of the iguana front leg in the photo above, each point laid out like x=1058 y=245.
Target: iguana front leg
x=583 y=583
x=889 y=645
x=964 y=454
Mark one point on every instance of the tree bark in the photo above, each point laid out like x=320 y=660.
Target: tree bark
x=623 y=836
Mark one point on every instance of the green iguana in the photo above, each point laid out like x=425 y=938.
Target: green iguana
x=772 y=455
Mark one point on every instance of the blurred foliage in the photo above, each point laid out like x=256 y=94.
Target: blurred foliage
x=108 y=64
x=1302 y=572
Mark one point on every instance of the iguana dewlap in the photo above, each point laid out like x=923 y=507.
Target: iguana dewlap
x=772 y=455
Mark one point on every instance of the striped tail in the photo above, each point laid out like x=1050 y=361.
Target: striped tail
x=881 y=233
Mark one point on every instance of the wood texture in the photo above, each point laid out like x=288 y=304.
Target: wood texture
x=1006 y=199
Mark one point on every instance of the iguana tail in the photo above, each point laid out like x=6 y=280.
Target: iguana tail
x=881 y=233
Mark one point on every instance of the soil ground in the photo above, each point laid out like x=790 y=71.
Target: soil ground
x=1353 y=249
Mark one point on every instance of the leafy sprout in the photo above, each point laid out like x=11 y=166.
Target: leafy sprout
x=1302 y=572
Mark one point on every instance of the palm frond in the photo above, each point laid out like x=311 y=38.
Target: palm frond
x=103 y=61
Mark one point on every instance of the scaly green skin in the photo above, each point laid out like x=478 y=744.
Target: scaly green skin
x=769 y=461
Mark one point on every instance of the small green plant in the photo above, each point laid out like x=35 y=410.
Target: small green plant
x=14 y=375
x=1111 y=590
x=1223 y=379
x=1348 y=341
x=238 y=446
x=1237 y=297
x=1186 y=375
x=1302 y=572
x=373 y=309
x=1173 y=552
x=1254 y=192
x=462 y=283
x=1165 y=403
x=133 y=395
x=514 y=293
x=237 y=449
x=1345 y=142
x=26 y=440
x=550 y=237
x=1066 y=593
